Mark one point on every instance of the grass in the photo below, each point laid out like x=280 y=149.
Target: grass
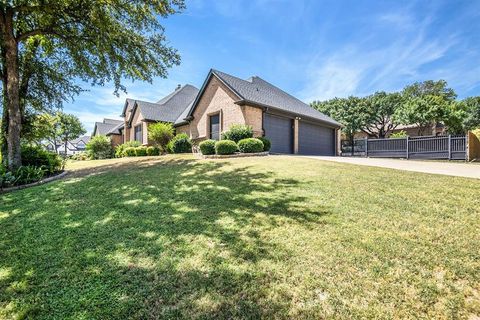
x=274 y=237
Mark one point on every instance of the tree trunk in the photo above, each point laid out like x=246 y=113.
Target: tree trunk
x=65 y=149
x=12 y=92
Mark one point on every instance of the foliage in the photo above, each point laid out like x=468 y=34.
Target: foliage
x=119 y=150
x=266 y=143
x=225 y=147
x=82 y=156
x=476 y=132
x=379 y=112
x=129 y=152
x=238 y=132
x=141 y=151
x=69 y=128
x=181 y=143
x=160 y=134
x=472 y=113
x=207 y=147
x=153 y=151
x=100 y=147
x=399 y=134
x=36 y=156
x=250 y=145
x=48 y=46
x=28 y=174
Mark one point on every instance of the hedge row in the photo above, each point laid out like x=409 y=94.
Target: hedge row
x=225 y=147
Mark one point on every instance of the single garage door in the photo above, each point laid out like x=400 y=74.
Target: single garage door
x=315 y=139
x=280 y=133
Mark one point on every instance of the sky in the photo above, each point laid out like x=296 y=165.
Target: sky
x=314 y=50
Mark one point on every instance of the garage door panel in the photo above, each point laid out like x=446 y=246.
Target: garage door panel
x=315 y=139
x=280 y=133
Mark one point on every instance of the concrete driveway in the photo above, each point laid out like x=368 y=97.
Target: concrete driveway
x=458 y=169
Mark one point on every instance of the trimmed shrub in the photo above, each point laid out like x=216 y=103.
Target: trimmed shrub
x=225 y=147
x=266 y=143
x=100 y=147
x=119 y=150
x=160 y=134
x=41 y=158
x=153 y=151
x=129 y=152
x=238 y=132
x=250 y=145
x=140 y=151
x=207 y=147
x=181 y=143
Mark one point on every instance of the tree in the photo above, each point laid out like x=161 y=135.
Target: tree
x=351 y=112
x=380 y=108
x=69 y=128
x=47 y=44
x=160 y=134
x=472 y=113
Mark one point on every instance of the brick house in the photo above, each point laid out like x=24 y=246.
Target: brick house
x=292 y=126
x=111 y=128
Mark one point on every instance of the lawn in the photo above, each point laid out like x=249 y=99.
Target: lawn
x=270 y=237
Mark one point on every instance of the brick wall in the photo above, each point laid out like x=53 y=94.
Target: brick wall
x=473 y=140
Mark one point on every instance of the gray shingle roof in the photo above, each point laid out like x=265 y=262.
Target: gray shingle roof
x=127 y=106
x=258 y=91
x=116 y=129
x=102 y=128
x=169 y=108
x=85 y=139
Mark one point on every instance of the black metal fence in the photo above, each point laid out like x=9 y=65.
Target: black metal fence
x=423 y=147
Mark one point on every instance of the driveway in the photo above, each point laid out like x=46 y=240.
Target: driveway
x=458 y=169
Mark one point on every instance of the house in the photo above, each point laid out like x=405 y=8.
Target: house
x=73 y=147
x=292 y=126
x=111 y=128
x=138 y=115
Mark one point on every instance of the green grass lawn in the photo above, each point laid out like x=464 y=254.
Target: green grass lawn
x=270 y=237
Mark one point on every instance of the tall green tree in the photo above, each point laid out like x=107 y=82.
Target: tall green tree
x=380 y=108
x=69 y=128
x=93 y=40
x=472 y=113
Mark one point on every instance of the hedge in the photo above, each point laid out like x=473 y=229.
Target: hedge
x=250 y=145
x=225 y=147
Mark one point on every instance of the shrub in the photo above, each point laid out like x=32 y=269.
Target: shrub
x=79 y=156
x=141 y=151
x=41 y=158
x=28 y=174
x=250 y=145
x=476 y=132
x=100 y=147
x=238 y=132
x=160 y=134
x=225 y=147
x=207 y=147
x=266 y=143
x=129 y=152
x=153 y=151
x=119 y=150
x=400 y=134
x=181 y=143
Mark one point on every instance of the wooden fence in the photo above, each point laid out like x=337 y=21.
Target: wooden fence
x=424 y=147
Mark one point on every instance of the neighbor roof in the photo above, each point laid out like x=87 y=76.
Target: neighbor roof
x=85 y=139
x=116 y=129
x=102 y=128
x=259 y=92
x=170 y=107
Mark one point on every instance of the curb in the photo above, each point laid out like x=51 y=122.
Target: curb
x=33 y=184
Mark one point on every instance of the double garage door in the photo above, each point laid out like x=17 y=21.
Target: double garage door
x=313 y=139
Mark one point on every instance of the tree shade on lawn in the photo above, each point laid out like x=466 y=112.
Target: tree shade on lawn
x=276 y=237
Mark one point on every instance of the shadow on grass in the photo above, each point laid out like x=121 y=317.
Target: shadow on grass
x=169 y=239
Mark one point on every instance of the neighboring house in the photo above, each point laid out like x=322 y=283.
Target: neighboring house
x=412 y=130
x=73 y=147
x=139 y=114
x=291 y=125
x=111 y=128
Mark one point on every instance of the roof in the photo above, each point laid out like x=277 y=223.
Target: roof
x=127 y=106
x=168 y=109
x=259 y=92
x=116 y=129
x=85 y=139
x=102 y=128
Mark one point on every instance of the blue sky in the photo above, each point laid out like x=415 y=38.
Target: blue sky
x=312 y=49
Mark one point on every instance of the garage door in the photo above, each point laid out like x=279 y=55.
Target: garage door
x=279 y=131
x=315 y=139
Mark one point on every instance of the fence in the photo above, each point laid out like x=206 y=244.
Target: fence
x=424 y=147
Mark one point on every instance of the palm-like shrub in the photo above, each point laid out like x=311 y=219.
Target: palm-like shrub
x=207 y=147
x=238 y=132
x=100 y=147
x=225 y=147
x=250 y=145
x=160 y=134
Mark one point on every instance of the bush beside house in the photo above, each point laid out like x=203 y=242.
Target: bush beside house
x=207 y=147
x=225 y=147
x=238 y=132
x=250 y=145
x=181 y=143
x=266 y=143
x=100 y=147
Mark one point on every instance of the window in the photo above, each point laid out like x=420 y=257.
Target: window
x=138 y=133
x=215 y=127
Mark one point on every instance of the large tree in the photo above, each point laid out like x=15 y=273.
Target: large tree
x=380 y=109
x=69 y=128
x=93 y=40
x=472 y=111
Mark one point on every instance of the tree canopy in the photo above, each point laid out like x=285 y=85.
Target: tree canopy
x=47 y=45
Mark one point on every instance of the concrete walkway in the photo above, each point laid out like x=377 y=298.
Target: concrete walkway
x=458 y=169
